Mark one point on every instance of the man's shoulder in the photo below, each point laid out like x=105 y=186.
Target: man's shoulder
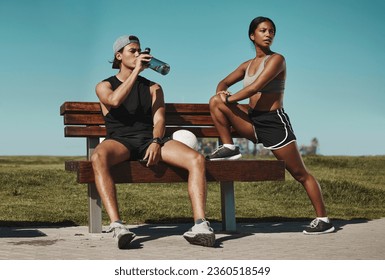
x=110 y=79
x=145 y=81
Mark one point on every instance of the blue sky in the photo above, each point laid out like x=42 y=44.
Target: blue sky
x=56 y=51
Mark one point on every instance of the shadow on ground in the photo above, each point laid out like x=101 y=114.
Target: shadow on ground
x=161 y=229
x=15 y=229
x=246 y=227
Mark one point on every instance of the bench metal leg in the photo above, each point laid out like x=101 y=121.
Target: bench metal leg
x=94 y=201
x=228 y=206
x=94 y=210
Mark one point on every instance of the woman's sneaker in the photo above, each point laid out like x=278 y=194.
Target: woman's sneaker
x=224 y=153
x=318 y=226
x=201 y=234
x=122 y=234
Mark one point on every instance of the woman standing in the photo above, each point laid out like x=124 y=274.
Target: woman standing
x=265 y=121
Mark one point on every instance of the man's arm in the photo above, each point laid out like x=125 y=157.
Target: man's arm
x=114 y=98
x=159 y=118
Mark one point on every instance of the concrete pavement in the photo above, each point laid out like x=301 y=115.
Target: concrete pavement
x=353 y=240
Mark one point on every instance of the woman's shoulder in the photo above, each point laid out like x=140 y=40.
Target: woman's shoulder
x=247 y=62
x=276 y=59
x=243 y=66
x=277 y=56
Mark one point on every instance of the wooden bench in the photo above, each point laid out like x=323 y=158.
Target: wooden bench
x=84 y=119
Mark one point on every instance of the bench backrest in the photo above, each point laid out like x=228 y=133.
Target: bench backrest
x=85 y=119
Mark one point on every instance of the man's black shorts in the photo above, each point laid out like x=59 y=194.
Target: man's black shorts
x=137 y=144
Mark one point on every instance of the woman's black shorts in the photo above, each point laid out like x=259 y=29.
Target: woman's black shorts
x=272 y=128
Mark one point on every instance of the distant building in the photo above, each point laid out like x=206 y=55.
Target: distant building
x=310 y=150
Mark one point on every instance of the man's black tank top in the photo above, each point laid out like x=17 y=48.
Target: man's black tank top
x=134 y=115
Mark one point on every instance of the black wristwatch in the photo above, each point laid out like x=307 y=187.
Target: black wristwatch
x=227 y=99
x=157 y=140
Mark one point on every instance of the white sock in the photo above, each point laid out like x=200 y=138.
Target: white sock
x=324 y=219
x=230 y=146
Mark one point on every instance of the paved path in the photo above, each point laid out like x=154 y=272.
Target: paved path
x=354 y=240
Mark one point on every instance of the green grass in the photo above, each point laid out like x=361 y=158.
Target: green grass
x=36 y=190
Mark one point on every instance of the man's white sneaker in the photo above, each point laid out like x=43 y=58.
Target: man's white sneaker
x=201 y=234
x=122 y=234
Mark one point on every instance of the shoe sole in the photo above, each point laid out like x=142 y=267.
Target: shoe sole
x=125 y=240
x=202 y=239
x=227 y=158
x=332 y=229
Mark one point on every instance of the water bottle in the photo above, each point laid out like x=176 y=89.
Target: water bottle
x=156 y=64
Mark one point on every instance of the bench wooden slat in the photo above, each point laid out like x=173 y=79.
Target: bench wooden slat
x=83 y=119
x=84 y=131
x=94 y=108
x=80 y=107
x=171 y=108
x=186 y=108
x=200 y=132
x=99 y=131
x=191 y=119
x=137 y=172
x=97 y=119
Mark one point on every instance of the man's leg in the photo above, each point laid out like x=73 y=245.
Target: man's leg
x=107 y=154
x=178 y=154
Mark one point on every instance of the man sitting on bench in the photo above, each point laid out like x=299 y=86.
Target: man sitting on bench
x=134 y=113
